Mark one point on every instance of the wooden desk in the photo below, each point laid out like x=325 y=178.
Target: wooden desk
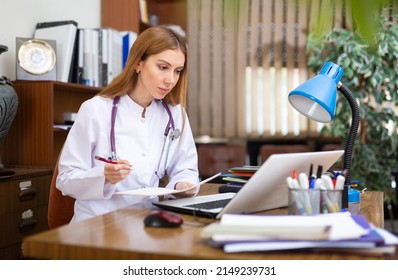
x=121 y=235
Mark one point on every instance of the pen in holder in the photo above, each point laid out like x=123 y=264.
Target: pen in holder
x=304 y=201
x=330 y=200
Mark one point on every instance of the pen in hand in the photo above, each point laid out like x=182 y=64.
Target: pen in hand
x=105 y=160
x=109 y=161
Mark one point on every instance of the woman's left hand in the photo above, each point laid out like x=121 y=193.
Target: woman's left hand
x=184 y=185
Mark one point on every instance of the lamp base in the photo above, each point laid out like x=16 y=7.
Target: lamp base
x=344 y=197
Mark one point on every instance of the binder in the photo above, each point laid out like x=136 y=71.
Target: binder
x=103 y=57
x=115 y=57
x=64 y=33
x=128 y=38
x=80 y=58
x=88 y=57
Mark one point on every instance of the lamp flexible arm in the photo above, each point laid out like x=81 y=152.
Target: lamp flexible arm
x=353 y=129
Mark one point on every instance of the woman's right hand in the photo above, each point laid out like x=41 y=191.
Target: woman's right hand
x=115 y=173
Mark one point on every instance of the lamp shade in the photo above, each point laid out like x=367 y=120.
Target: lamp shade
x=316 y=98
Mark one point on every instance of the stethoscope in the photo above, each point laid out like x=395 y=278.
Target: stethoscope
x=170 y=132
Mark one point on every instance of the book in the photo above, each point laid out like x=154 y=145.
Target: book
x=235 y=179
x=274 y=232
x=243 y=171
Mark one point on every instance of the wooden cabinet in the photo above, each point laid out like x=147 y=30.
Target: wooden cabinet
x=32 y=139
x=125 y=14
x=23 y=207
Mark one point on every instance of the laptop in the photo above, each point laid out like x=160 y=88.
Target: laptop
x=266 y=189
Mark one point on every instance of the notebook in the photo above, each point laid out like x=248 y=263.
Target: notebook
x=266 y=189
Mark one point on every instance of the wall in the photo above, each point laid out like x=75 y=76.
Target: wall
x=19 y=17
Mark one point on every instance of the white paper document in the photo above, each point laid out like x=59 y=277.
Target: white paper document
x=151 y=191
x=161 y=191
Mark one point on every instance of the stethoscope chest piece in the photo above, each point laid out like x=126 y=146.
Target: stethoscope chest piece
x=174 y=134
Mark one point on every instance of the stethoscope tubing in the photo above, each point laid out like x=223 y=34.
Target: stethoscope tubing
x=174 y=134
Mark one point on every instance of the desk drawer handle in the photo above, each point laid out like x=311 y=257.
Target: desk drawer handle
x=27 y=225
x=27 y=194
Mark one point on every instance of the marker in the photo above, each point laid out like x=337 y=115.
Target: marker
x=327 y=181
x=294 y=174
x=310 y=172
x=329 y=186
x=296 y=198
x=319 y=171
x=303 y=179
x=299 y=204
x=340 y=182
x=289 y=182
x=318 y=183
x=326 y=200
x=312 y=182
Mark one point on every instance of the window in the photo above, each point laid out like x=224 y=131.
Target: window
x=244 y=58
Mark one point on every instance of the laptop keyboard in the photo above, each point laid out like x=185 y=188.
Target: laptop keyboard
x=210 y=204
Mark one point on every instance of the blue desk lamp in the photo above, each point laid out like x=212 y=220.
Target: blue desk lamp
x=316 y=99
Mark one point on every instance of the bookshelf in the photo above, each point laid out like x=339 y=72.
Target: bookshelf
x=32 y=139
x=125 y=14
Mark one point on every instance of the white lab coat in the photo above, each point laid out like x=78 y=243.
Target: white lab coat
x=138 y=140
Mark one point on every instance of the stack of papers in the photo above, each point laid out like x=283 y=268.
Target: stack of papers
x=336 y=231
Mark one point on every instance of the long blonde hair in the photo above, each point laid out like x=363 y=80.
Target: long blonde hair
x=152 y=41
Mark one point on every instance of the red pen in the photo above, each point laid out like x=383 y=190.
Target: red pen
x=105 y=160
x=294 y=174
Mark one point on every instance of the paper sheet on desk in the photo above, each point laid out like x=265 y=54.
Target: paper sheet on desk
x=343 y=226
x=151 y=191
x=161 y=191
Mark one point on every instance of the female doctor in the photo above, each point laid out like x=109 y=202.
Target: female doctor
x=139 y=126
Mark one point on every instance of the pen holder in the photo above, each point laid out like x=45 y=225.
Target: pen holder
x=304 y=201
x=331 y=201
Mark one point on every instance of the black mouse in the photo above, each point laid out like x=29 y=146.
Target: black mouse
x=158 y=218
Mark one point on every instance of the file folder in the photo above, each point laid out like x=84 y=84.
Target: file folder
x=64 y=33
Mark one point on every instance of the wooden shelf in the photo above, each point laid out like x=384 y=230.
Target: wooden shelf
x=124 y=15
x=32 y=139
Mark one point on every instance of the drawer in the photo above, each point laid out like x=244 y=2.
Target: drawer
x=13 y=252
x=24 y=193
x=15 y=226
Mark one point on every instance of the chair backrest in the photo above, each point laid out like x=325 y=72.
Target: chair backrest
x=269 y=149
x=60 y=207
x=214 y=158
x=332 y=147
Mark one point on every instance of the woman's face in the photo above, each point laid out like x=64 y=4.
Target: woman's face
x=158 y=74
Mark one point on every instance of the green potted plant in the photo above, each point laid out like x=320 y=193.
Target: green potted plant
x=371 y=74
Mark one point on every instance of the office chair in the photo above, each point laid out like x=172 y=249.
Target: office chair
x=214 y=158
x=269 y=149
x=332 y=147
x=60 y=207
